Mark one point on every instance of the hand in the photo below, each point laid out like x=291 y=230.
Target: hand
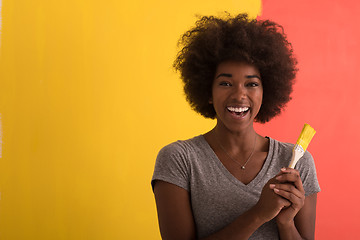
x=270 y=203
x=289 y=186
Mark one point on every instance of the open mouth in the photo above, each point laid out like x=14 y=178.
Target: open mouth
x=238 y=111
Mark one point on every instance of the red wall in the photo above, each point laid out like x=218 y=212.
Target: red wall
x=326 y=38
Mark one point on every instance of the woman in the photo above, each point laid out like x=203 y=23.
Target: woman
x=231 y=183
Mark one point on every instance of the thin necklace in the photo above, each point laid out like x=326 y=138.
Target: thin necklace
x=242 y=166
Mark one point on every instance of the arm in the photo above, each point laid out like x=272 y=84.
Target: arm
x=298 y=220
x=174 y=212
x=305 y=219
x=176 y=220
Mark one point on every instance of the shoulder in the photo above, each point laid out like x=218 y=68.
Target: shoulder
x=181 y=152
x=173 y=163
x=305 y=165
x=182 y=147
x=284 y=150
x=283 y=147
x=281 y=150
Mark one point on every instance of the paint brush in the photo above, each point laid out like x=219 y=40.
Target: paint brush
x=302 y=143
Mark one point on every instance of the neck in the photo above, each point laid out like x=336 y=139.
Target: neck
x=235 y=141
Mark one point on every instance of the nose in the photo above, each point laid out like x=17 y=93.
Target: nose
x=239 y=92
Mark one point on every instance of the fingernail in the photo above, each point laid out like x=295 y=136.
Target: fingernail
x=283 y=169
x=276 y=190
x=272 y=186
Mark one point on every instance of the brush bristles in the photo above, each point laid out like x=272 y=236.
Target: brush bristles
x=305 y=137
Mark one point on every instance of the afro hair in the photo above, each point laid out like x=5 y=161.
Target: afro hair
x=261 y=43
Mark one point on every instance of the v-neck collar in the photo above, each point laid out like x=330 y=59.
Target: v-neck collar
x=231 y=177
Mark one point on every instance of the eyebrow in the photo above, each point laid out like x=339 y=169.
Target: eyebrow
x=230 y=75
x=253 y=76
x=224 y=75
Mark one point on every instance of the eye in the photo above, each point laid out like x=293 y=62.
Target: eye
x=225 y=84
x=253 y=84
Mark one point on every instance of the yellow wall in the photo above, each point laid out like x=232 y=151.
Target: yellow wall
x=87 y=98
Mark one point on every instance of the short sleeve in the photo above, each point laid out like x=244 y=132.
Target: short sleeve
x=306 y=167
x=172 y=166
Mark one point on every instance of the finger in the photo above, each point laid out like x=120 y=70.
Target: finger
x=288 y=177
x=288 y=188
x=292 y=176
x=283 y=202
x=288 y=170
x=290 y=196
x=284 y=170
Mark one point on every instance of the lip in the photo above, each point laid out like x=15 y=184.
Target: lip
x=236 y=116
x=241 y=108
x=238 y=105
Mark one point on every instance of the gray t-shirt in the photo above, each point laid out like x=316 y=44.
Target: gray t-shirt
x=217 y=197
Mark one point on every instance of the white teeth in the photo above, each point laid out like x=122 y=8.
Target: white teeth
x=240 y=109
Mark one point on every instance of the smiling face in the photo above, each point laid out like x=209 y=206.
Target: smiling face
x=236 y=94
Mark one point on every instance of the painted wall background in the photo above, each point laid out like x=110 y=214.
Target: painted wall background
x=88 y=97
x=326 y=39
